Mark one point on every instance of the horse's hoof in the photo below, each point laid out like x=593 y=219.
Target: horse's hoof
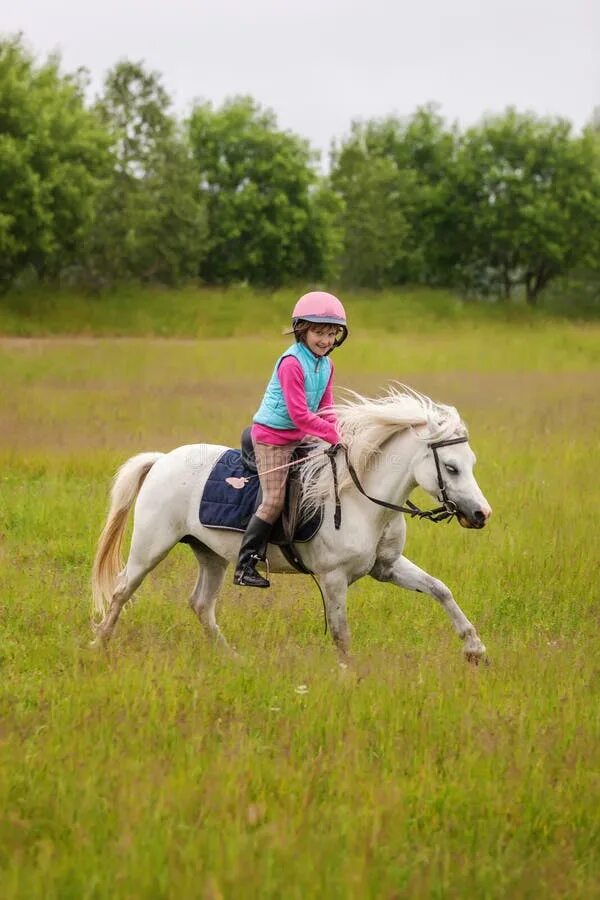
x=474 y=658
x=474 y=650
x=97 y=644
x=345 y=664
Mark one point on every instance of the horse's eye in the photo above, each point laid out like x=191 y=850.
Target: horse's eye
x=452 y=470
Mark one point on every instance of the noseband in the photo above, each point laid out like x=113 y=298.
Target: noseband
x=447 y=510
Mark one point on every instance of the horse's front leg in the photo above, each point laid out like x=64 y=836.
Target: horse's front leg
x=405 y=574
x=335 y=588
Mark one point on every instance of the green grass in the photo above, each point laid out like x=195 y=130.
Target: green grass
x=162 y=770
x=239 y=311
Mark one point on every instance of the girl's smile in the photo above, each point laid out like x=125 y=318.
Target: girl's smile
x=321 y=338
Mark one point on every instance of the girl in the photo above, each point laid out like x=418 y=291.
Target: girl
x=297 y=403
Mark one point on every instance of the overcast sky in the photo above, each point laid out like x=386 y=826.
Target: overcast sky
x=321 y=63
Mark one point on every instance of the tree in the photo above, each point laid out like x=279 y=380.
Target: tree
x=270 y=219
x=53 y=158
x=389 y=173
x=374 y=227
x=152 y=217
x=594 y=124
x=522 y=205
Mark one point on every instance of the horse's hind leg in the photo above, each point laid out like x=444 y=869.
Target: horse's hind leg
x=141 y=561
x=121 y=595
x=406 y=574
x=204 y=596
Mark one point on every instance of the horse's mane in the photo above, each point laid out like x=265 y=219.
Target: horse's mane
x=366 y=424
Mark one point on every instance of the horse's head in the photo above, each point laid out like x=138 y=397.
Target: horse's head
x=439 y=460
x=444 y=469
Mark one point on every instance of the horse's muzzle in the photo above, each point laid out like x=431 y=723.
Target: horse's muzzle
x=477 y=519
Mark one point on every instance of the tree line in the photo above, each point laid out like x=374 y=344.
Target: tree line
x=122 y=188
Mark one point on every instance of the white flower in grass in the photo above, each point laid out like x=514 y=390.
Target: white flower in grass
x=302 y=689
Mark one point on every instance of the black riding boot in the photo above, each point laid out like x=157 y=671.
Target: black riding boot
x=253 y=550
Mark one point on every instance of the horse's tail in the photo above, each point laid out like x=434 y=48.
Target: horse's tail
x=108 y=563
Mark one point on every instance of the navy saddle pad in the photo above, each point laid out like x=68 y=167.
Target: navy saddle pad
x=224 y=506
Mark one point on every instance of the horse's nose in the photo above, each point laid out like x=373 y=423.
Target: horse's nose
x=480 y=518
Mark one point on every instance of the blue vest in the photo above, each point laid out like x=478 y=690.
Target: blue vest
x=317 y=369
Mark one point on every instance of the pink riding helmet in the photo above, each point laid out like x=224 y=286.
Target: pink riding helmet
x=322 y=309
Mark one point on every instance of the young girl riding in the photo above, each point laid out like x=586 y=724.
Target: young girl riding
x=297 y=403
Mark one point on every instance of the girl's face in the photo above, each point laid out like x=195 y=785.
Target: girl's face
x=321 y=338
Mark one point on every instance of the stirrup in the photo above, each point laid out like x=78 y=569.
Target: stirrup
x=247 y=578
x=255 y=579
x=266 y=562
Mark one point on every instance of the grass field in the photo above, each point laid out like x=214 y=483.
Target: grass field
x=236 y=311
x=162 y=770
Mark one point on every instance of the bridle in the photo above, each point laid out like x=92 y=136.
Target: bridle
x=449 y=505
x=446 y=511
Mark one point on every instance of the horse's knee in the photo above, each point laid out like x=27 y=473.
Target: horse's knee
x=440 y=592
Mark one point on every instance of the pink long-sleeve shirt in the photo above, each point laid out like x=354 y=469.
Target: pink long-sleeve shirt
x=321 y=424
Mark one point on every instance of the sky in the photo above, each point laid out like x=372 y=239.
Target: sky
x=319 y=64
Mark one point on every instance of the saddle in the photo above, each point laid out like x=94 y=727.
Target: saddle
x=225 y=506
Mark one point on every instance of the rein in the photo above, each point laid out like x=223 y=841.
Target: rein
x=446 y=511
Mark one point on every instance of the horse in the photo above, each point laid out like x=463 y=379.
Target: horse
x=391 y=444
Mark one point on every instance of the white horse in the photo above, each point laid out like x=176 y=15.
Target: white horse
x=389 y=444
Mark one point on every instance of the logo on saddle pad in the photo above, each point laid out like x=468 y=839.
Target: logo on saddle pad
x=237 y=483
